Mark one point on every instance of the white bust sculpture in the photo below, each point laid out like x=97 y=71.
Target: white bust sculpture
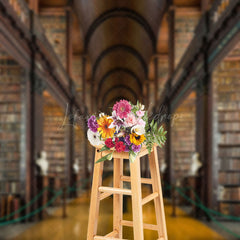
x=196 y=164
x=43 y=163
x=76 y=166
x=163 y=167
x=220 y=193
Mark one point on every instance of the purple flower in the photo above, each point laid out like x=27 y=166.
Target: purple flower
x=92 y=123
x=126 y=148
x=127 y=140
x=136 y=148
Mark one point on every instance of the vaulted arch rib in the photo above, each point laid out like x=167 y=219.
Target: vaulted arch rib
x=120 y=12
x=127 y=89
x=120 y=69
x=122 y=47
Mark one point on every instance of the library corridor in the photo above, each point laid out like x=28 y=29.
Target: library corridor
x=61 y=61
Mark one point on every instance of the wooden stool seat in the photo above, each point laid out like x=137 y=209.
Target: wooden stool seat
x=100 y=192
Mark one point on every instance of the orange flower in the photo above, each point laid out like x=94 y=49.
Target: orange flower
x=104 y=129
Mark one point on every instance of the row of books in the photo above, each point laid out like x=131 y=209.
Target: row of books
x=183 y=137
x=229 y=115
x=230 y=209
x=226 y=67
x=10 y=124
x=9 y=186
x=10 y=107
x=184 y=32
x=54 y=138
x=228 y=104
x=9 y=204
x=229 y=127
x=228 y=152
x=229 y=178
x=55 y=30
x=231 y=194
x=230 y=164
x=230 y=138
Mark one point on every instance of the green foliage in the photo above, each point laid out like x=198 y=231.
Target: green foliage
x=107 y=157
x=132 y=156
x=154 y=135
x=135 y=108
x=160 y=136
x=145 y=118
x=104 y=148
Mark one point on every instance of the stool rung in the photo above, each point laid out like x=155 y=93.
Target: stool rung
x=112 y=234
x=149 y=198
x=115 y=190
x=143 y=180
x=107 y=238
x=104 y=195
x=145 y=225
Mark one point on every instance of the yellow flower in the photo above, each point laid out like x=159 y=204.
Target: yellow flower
x=137 y=139
x=104 y=129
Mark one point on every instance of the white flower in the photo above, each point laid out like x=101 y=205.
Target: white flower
x=138 y=129
x=94 y=138
x=141 y=107
x=117 y=121
x=101 y=114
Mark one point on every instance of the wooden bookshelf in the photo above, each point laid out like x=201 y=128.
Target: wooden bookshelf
x=227 y=89
x=10 y=124
x=183 y=145
x=54 y=137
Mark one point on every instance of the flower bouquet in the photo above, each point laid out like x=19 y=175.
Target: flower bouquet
x=126 y=130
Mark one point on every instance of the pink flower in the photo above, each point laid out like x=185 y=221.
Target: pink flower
x=130 y=120
x=122 y=108
x=140 y=113
x=141 y=122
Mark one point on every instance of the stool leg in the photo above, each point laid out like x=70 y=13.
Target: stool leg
x=136 y=199
x=117 y=198
x=158 y=202
x=94 y=204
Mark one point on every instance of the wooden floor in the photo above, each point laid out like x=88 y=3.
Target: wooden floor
x=75 y=225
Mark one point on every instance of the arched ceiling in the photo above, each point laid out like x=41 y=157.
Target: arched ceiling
x=119 y=38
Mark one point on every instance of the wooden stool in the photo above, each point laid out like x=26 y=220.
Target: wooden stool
x=99 y=193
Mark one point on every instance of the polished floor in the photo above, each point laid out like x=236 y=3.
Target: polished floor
x=75 y=225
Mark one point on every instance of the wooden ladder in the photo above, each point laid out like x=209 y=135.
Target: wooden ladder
x=100 y=192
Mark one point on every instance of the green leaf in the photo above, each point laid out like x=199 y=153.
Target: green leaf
x=104 y=148
x=151 y=124
x=155 y=127
x=132 y=156
x=107 y=157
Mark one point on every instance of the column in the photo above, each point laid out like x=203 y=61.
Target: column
x=171 y=65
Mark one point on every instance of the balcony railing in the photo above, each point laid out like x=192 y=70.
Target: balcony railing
x=30 y=24
x=51 y=54
x=191 y=51
x=22 y=10
x=207 y=25
x=218 y=12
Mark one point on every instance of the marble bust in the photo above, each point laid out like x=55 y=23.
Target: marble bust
x=42 y=163
x=76 y=166
x=195 y=165
x=163 y=167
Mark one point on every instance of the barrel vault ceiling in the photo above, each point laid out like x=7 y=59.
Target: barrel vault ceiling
x=120 y=37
